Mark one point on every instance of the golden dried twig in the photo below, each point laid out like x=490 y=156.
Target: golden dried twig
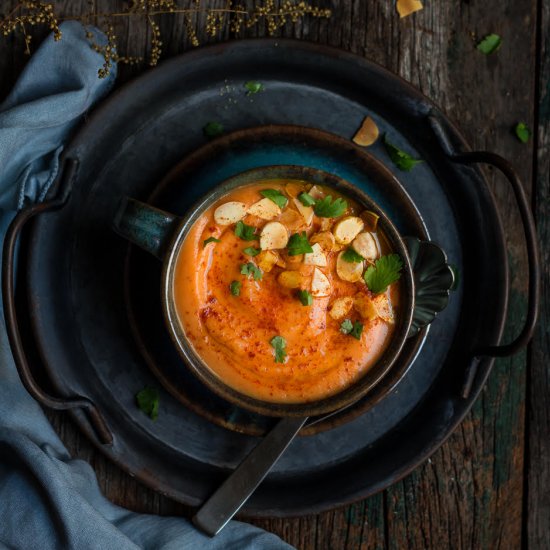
x=236 y=16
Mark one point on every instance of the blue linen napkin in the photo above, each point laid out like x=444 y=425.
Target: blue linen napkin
x=48 y=500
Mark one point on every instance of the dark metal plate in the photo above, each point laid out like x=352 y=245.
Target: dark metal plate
x=76 y=271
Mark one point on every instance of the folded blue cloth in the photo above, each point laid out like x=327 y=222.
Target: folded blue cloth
x=47 y=500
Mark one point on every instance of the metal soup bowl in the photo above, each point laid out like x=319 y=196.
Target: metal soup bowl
x=163 y=234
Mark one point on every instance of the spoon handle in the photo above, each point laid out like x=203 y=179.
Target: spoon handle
x=214 y=514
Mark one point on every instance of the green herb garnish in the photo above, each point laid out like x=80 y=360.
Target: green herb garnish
x=402 y=160
x=490 y=44
x=251 y=251
x=213 y=129
x=305 y=297
x=276 y=196
x=253 y=87
x=279 y=345
x=353 y=328
x=522 y=132
x=148 y=402
x=327 y=208
x=250 y=269
x=235 y=288
x=298 y=244
x=245 y=232
x=352 y=257
x=210 y=240
x=385 y=271
x=306 y=199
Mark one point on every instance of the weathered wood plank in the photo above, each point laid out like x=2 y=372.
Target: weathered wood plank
x=538 y=455
x=470 y=494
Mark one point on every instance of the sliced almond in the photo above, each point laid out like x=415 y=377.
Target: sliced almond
x=365 y=244
x=229 y=212
x=320 y=285
x=293 y=261
x=325 y=239
x=371 y=219
x=290 y=279
x=280 y=262
x=367 y=134
x=305 y=211
x=348 y=271
x=347 y=229
x=274 y=235
x=316 y=192
x=326 y=224
x=364 y=305
x=406 y=7
x=340 y=307
x=383 y=307
x=293 y=189
x=265 y=209
x=292 y=220
x=317 y=257
x=266 y=259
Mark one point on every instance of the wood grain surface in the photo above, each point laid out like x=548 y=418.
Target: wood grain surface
x=488 y=486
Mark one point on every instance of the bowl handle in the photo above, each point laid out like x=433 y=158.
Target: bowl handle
x=146 y=226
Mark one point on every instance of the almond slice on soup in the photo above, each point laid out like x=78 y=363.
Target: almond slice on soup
x=317 y=257
x=230 y=212
x=347 y=229
x=348 y=271
x=265 y=209
x=274 y=236
x=320 y=285
x=365 y=245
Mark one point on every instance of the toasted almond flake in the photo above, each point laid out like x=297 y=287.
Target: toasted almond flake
x=305 y=211
x=325 y=239
x=383 y=307
x=347 y=229
x=320 y=285
x=326 y=224
x=266 y=259
x=365 y=244
x=317 y=257
x=340 y=307
x=293 y=190
x=293 y=261
x=316 y=192
x=274 y=235
x=367 y=134
x=280 y=262
x=364 y=305
x=348 y=271
x=229 y=212
x=406 y=7
x=292 y=220
x=265 y=209
x=371 y=219
x=290 y=279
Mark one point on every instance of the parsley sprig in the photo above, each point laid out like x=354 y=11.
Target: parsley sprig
x=251 y=270
x=352 y=256
x=385 y=271
x=279 y=346
x=353 y=328
x=210 y=240
x=327 y=208
x=251 y=251
x=305 y=297
x=298 y=244
x=276 y=196
x=400 y=158
x=245 y=232
x=148 y=402
x=306 y=199
x=235 y=288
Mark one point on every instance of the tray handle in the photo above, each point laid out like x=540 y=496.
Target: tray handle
x=96 y=419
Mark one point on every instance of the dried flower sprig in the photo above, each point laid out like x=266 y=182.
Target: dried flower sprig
x=234 y=16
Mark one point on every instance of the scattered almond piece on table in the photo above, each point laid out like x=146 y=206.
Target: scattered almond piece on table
x=367 y=134
x=406 y=7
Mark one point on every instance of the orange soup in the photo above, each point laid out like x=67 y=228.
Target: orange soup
x=288 y=291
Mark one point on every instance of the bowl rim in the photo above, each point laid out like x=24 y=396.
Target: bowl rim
x=352 y=393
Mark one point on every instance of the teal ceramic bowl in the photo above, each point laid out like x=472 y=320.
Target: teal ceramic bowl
x=163 y=234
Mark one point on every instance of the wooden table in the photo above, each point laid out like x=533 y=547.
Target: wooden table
x=488 y=486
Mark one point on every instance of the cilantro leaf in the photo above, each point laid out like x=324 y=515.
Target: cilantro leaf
x=402 y=160
x=352 y=257
x=213 y=129
x=235 y=288
x=490 y=44
x=326 y=208
x=251 y=251
x=276 y=196
x=148 y=402
x=250 y=269
x=210 y=240
x=354 y=328
x=346 y=326
x=305 y=297
x=253 y=87
x=245 y=232
x=522 y=132
x=306 y=199
x=298 y=244
x=385 y=271
x=279 y=345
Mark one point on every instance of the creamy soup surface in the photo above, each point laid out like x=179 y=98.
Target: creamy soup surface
x=272 y=289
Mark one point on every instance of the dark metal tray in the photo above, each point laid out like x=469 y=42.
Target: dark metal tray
x=76 y=265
